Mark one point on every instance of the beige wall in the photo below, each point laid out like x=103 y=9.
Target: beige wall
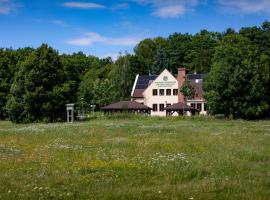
x=164 y=81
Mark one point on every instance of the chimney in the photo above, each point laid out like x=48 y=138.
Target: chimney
x=181 y=78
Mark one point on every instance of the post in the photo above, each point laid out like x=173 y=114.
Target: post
x=70 y=113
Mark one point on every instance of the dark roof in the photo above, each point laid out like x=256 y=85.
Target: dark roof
x=142 y=84
x=143 y=81
x=126 y=105
x=179 y=106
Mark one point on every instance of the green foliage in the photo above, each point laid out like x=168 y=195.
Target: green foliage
x=199 y=57
x=39 y=91
x=9 y=60
x=120 y=77
x=177 y=50
x=238 y=82
x=187 y=90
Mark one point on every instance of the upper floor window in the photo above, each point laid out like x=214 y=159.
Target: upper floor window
x=154 y=107
x=168 y=92
x=154 y=92
x=175 y=92
x=161 y=92
x=161 y=107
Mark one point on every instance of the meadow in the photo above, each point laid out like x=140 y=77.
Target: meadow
x=136 y=158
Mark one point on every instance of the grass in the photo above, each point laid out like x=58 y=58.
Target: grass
x=136 y=158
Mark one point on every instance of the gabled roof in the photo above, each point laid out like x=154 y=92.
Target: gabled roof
x=126 y=105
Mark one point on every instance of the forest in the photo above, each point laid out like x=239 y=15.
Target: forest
x=36 y=83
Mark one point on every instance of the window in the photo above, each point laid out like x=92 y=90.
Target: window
x=168 y=92
x=175 y=92
x=205 y=107
x=154 y=107
x=154 y=92
x=193 y=105
x=161 y=92
x=161 y=107
x=199 y=106
x=168 y=104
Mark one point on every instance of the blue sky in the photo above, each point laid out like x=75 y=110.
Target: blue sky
x=105 y=28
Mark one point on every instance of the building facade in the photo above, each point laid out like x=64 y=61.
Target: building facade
x=162 y=91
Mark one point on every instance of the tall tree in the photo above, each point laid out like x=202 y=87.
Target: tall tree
x=39 y=91
x=238 y=82
x=201 y=52
x=177 y=50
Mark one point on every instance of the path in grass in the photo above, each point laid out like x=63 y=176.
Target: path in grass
x=138 y=158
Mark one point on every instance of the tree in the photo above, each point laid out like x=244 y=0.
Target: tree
x=120 y=78
x=238 y=82
x=39 y=91
x=159 y=62
x=200 y=54
x=7 y=69
x=176 y=49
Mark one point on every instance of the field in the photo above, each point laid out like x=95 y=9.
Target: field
x=136 y=158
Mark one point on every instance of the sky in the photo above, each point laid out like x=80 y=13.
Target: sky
x=106 y=27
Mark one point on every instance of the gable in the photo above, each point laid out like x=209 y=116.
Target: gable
x=163 y=81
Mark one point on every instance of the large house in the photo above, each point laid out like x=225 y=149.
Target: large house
x=162 y=93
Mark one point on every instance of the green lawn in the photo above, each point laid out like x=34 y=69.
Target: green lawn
x=136 y=158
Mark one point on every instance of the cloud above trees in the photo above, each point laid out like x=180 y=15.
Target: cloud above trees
x=91 y=38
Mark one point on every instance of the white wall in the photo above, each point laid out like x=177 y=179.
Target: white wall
x=161 y=82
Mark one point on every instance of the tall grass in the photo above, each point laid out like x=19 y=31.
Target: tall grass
x=136 y=157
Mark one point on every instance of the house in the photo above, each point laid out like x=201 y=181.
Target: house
x=162 y=93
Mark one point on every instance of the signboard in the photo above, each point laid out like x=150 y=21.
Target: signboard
x=165 y=83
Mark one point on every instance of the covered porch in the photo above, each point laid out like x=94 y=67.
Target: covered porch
x=180 y=109
x=127 y=106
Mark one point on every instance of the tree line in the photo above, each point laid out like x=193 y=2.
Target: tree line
x=36 y=84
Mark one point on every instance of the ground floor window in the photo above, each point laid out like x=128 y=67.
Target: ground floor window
x=154 y=107
x=161 y=107
x=199 y=106
x=168 y=104
x=193 y=105
x=175 y=92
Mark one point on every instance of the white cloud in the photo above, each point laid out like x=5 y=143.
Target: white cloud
x=120 y=6
x=83 y=5
x=170 y=8
x=170 y=11
x=246 y=6
x=59 y=23
x=8 y=6
x=91 y=38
